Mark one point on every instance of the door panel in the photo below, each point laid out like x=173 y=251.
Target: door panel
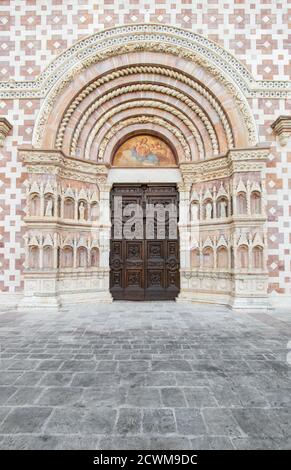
x=145 y=267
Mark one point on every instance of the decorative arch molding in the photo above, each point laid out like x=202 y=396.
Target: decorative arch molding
x=142 y=121
x=145 y=104
x=142 y=88
x=159 y=70
x=170 y=45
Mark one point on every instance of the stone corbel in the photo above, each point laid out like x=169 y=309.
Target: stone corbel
x=5 y=127
x=282 y=129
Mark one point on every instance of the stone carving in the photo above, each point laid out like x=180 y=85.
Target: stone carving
x=214 y=252
x=251 y=160
x=161 y=47
x=55 y=163
x=5 y=127
x=143 y=70
x=194 y=211
x=82 y=211
x=49 y=208
x=223 y=206
x=142 y=120
x=141 y=104
x=60 y=250
x=282 y=128
x=141 y=88
x=208 y=210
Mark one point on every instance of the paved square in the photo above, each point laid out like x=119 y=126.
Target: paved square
x=145 y=376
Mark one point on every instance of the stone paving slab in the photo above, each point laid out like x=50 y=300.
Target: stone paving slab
x=156 y=375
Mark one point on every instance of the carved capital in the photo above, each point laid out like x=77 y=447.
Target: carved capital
x=282 y=129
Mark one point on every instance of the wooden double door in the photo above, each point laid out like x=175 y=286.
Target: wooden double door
x=144 y=267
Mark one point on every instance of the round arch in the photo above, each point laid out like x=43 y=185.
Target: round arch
x=176 y=70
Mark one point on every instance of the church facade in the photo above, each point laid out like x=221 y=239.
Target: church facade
x=185 y=104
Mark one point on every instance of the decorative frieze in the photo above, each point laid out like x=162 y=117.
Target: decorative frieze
x=236 y=160
x=56 y=163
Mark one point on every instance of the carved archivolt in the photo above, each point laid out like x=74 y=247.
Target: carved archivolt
x=143 y=104
x=138 y=88
x=217 y=72
x=143 y=120
x=143 y=70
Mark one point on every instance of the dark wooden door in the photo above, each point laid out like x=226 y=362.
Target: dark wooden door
x=145 y=267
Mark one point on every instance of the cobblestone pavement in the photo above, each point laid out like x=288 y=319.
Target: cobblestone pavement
x=145 y=376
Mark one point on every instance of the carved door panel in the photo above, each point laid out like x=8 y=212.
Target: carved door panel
x=145 y=267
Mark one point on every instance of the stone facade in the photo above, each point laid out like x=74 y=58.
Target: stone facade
x=78 y=78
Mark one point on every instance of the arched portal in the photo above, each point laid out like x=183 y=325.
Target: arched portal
x=186 y=96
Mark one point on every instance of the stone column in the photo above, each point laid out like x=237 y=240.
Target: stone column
x=62 y=206
x=76 y=210
x=249 y=198
x=41 y=257
x=184 y=225
x=55 y=252
x=75 y=254
x=104 y=237
x=214 y=257
x=41 y=208
x=185 y=235
x=56 y=203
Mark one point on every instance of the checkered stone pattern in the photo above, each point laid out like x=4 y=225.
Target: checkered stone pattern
x=278 y=186
x=33 y=32
x=12 y=194
x=255 y=32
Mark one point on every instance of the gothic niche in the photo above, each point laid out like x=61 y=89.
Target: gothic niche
x=68 y=208
x=195 y=258
x=34 y=206
x=33 y=257
x=94 y=257
x=194 y=211
x=82 y=257
x=243 y=256
x=208 y=209
x=242 y=203
x=67 y=257
x=208 y=258
x=256 y=208
x=257 y=258
x=222 y=257
x=48 y=211
x=94 y=211
x=222 y=208
x=48 y=257
x=82 y=211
